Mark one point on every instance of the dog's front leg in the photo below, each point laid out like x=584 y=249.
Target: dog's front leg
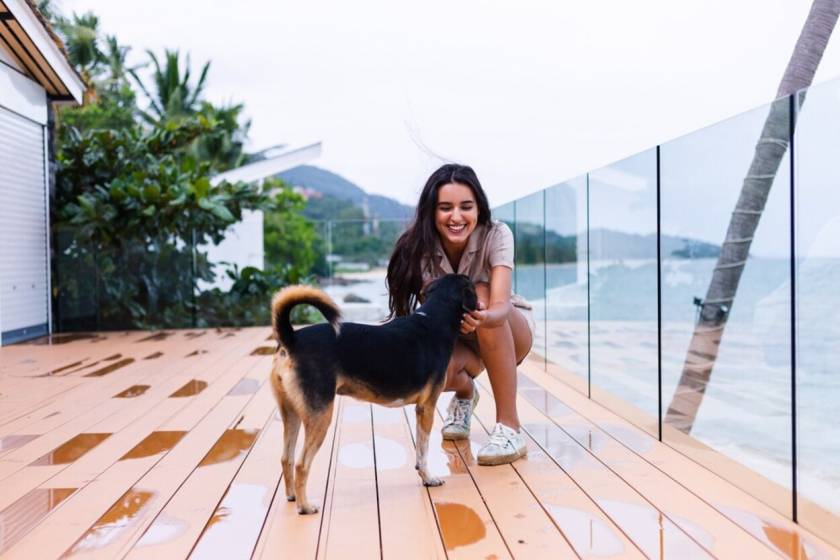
x=425 y=418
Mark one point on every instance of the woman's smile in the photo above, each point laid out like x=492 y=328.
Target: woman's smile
x=456 y=214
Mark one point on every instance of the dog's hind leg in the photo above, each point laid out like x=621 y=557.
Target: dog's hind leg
x=425 y=418
x=315 y=427
x=291 y=428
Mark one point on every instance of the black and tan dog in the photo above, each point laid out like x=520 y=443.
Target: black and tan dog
x=401 y=362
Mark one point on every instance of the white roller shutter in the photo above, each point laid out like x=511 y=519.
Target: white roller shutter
x=24 y=270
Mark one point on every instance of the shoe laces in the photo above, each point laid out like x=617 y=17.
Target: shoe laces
x=463 y=408
x=499 y=436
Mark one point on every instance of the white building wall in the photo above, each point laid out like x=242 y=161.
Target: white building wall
x=24 y=260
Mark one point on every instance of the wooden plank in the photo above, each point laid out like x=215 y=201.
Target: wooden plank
x=179 y=524
x=111 y=408
x=466 y=526
x=588 y=529
x=139 y=422
x=237 y=521
x=148 y=496
x=286 y=533
x=32 y=358
x=754 y=516
x=354 y=510
x=405 y=510
x=134 y=489
x=78 y=393
x=652 y=531
x=523 y=522
x=707 y=526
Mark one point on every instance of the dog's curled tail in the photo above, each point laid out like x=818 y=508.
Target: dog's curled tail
x=287 y=298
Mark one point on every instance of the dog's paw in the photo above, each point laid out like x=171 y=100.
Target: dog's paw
x=433 y=482
x=307 y=510
x=290 y=498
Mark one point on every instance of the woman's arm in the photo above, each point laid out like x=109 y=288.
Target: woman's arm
x=498 y=307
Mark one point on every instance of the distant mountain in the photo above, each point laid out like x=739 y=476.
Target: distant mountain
x=334 y=185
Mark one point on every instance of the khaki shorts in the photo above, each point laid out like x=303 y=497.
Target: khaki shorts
x=519 y=304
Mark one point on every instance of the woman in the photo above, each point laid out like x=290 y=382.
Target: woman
x=452 y=232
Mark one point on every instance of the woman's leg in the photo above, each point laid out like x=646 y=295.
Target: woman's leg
x=463 y=366
x=501 y=349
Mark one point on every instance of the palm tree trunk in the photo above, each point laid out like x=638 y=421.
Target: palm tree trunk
x=769 y=151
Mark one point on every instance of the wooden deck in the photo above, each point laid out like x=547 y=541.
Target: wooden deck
x=168 y=446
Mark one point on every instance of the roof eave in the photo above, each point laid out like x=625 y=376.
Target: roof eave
x=33 y=26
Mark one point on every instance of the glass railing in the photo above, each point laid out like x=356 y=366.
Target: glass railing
x=678 y=288
x=172 y=284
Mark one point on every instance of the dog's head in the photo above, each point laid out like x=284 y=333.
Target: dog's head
x=455 y=289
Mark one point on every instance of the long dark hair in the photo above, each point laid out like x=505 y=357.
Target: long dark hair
x=404 y=275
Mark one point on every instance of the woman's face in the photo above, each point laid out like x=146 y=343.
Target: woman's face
x=456 y=214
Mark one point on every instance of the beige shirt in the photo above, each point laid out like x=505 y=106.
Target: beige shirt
x=487 y=246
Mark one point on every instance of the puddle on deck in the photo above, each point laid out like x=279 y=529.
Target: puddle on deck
x=459 y=525
x=68 y=366
x=7 y=443
x=71 y=450
x=231 y=445
x=26 y=512
x=389 y=454
x=131 y=392
x=121 y=515
x=246 y=386
x=153 y=356
x=163 y=335
x=236 y=523
x=110 y=368
x=195 y=353
x=588 y=535
x=154 y=444
x=190 y=389
x=788 y=542
x=656 y=535
x=63 y=338
x=263 y=351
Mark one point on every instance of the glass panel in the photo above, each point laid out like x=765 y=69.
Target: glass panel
x=623 y=272
x=818 y=306
x=530 y=262
x=358 y=253
x=726 y=363
x=74 y=282
x=507 y=214
x=567 y=337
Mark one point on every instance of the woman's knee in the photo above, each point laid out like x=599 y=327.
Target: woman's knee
x=463 y=359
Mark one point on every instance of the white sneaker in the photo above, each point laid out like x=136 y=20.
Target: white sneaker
x=506 y=446
x=458 y=416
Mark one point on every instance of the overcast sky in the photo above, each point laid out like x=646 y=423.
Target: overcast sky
x=528 y=93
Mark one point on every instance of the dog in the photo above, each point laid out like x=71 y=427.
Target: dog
x=394 y=364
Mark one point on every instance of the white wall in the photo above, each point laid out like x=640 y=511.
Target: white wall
x=20 y=94
x=23 y=100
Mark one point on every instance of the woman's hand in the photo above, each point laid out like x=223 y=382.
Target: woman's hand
x=472 y=320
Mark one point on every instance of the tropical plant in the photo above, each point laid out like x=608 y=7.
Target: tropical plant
x=290 y=240
x=770 y=149
x=173 y=96
x=138 y=210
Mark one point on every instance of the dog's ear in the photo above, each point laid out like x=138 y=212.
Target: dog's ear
x=429 y=288
x=469 y=299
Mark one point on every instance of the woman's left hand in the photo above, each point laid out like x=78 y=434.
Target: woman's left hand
x=472 y=320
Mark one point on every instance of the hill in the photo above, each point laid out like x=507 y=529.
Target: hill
x=336 y=186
